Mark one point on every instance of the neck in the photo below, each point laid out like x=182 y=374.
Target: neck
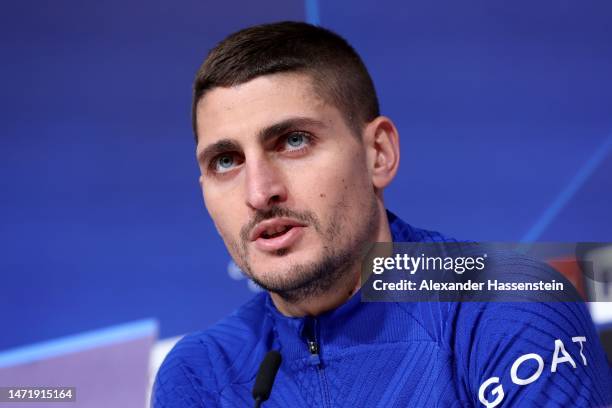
x=340 y=292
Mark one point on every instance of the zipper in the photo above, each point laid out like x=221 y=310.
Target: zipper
x=314 y=348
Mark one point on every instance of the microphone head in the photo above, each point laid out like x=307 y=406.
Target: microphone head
x=266 y=374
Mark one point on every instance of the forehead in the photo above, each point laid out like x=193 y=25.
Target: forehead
x=244 y=109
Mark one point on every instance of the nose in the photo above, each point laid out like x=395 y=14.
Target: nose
x=264 y=185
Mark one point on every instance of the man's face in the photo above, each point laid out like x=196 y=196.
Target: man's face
x=285 y=182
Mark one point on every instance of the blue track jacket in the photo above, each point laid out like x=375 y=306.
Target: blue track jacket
x=426 y=354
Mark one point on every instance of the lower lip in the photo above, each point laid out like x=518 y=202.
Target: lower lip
x=283 y=241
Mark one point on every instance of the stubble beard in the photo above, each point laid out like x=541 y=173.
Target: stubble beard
x=341 y=252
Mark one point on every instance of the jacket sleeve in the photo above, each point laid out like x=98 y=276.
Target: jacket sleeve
x=185 y=378
x=532 y=354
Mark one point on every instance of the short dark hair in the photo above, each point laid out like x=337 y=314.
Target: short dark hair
x=339 y=75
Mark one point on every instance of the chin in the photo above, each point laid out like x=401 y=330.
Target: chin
x=273 y=266
x=284 y=258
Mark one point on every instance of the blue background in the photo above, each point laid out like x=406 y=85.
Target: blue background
x=504 y=112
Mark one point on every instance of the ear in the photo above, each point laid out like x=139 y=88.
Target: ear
x=382 y=150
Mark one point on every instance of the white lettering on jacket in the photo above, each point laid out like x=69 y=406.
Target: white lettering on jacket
x=560 y=356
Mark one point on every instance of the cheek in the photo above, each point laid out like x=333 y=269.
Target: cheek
x=330 y=197
x=224 y=213
x=336 y=182
x=352 y=179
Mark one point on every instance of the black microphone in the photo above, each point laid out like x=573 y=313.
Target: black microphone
x=265 y=377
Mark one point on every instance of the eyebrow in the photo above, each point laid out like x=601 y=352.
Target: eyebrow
x=221 y=146
x=263 y=136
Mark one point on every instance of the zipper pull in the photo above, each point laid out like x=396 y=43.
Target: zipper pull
x=310 y=331
x=313 y=348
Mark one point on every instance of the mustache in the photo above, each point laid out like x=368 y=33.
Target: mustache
x=306 y=217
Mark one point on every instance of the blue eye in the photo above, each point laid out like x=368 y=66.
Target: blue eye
x=296 y=141
x=224 y=163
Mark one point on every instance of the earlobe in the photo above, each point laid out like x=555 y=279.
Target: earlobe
x=383 y=146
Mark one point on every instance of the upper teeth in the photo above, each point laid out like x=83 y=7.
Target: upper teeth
x=275 y=229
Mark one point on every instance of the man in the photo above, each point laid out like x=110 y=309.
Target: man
x=294 y=157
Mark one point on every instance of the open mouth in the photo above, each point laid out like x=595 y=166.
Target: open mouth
x=277 y=233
